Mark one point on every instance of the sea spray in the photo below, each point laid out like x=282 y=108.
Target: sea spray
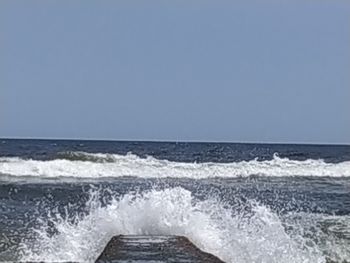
x=235 y=234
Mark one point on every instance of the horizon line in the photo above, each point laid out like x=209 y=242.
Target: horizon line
x=172 y=141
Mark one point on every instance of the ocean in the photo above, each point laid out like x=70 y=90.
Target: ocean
x=62 y=200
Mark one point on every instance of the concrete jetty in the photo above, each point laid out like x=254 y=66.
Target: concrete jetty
x=155 y=249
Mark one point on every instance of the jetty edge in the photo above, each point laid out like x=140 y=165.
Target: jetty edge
x=136 y=248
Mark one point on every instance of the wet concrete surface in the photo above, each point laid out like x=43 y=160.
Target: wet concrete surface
x=155 y=249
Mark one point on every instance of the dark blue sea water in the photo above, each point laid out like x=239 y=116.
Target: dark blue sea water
x=63 y=200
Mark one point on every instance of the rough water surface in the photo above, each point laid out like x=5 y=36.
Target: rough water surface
x=64 y=200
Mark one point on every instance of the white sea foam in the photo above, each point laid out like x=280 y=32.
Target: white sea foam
x=255 y=236
x=113 y=165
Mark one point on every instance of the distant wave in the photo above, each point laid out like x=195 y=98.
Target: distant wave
x=90 y=157
x=87 y=165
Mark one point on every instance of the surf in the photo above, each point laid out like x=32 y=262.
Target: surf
x=100 y=165
x=234 y=234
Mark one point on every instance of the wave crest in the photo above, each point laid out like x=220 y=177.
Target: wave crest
x=88 y=165
x=83 y=156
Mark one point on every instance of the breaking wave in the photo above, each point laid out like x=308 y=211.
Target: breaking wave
x=234 y=234
x=88 y=165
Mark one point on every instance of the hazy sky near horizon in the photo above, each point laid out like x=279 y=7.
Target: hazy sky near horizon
x=276 y=71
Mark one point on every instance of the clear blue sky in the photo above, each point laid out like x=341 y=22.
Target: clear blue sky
x=273 y=70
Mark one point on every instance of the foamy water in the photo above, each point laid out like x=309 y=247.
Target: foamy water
x=276 y=210
x=232 y=234
x=86 y=165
